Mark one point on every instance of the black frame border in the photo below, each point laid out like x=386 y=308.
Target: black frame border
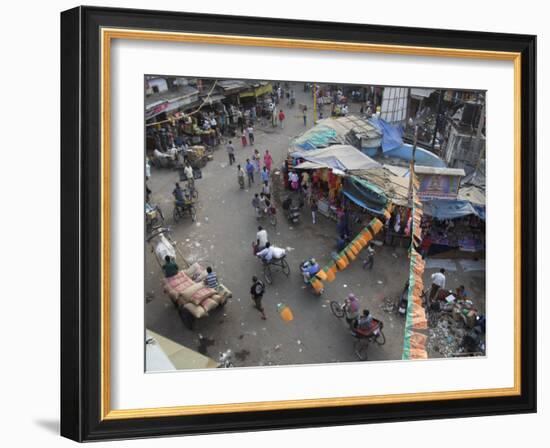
x=81 y=223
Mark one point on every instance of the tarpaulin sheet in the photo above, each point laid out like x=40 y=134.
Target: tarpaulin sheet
x=421 y=157
x=317 y=137
x=371 y=208
x=392 y=136
x=450 y=209
x=365 y=194
x=341 y=157
x=480 y=211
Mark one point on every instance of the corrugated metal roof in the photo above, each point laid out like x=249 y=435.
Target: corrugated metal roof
x=169 y=96
x=442 y=171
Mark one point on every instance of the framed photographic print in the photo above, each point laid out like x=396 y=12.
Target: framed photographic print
x=276 y=224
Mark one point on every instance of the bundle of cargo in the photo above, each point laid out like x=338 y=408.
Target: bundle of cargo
x=191 y=296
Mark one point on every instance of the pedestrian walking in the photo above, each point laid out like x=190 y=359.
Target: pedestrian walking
x=243 y=140
x=268 y=160
x=261 y=239
x=305 y=118
x=294 y=180
x=147 y=168
x=265 y=175
x=369 y=262
x=257 y=293
x=266 y=191
x=282 y=119
x=438 y=282
x=256 y=158
x=256 y=204
x=250 y=172
x=250 y=131
x=240 y=121
x=230 y=152
x=147 y=192
x=240 y=177
x=314 y=209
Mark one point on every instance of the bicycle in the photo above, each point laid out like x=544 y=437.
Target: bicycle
x=181 y=209
x=280 y=263
x=193 y=192
x=364 y=337
x=270 y=212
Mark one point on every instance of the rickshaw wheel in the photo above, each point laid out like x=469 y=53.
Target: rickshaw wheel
x=380 y=338
x=187 y=318
x=267 y=274
x=336 y=309
x=286 y=267
x=176 y=214
x=360 y=348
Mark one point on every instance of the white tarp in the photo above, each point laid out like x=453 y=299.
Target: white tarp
x=342 y=157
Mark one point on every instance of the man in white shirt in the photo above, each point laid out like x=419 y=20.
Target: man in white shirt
x=261 y=238
x=188 y=172
x=270 y=252
x=266 y=254
x=438 y=282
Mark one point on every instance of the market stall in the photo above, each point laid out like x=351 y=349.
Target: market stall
x=323 y=171
x=454 y=228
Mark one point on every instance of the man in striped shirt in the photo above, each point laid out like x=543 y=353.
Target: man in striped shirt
x=211 y=279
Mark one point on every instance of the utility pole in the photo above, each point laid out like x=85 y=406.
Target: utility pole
x=436 y=125
x=314 y=103
x=480 y=125
x=411 y=169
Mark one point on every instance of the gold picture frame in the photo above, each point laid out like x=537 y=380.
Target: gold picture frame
x=109 y=25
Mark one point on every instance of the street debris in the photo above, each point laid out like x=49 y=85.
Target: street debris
x=388 y=306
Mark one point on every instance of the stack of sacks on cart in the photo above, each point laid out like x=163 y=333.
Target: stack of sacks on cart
x=188 y=291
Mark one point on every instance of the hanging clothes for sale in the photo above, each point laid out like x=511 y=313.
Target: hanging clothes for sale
x=397 y=222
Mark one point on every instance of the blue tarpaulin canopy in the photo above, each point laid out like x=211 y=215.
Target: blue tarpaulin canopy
x=365 y=194
x=421 y=157
x=451 y=209
x=392 y=136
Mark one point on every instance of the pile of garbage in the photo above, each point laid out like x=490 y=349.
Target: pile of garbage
x=445 y=337
x=388 y=306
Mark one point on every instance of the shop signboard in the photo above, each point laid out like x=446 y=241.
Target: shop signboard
x=438 y=186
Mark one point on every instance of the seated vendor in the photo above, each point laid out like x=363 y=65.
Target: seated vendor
x=211 y=279
x=343 y=241
x=309 y=269
x=170 y=268
x=270 y=252
x=461 y=293
x=364 y=323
